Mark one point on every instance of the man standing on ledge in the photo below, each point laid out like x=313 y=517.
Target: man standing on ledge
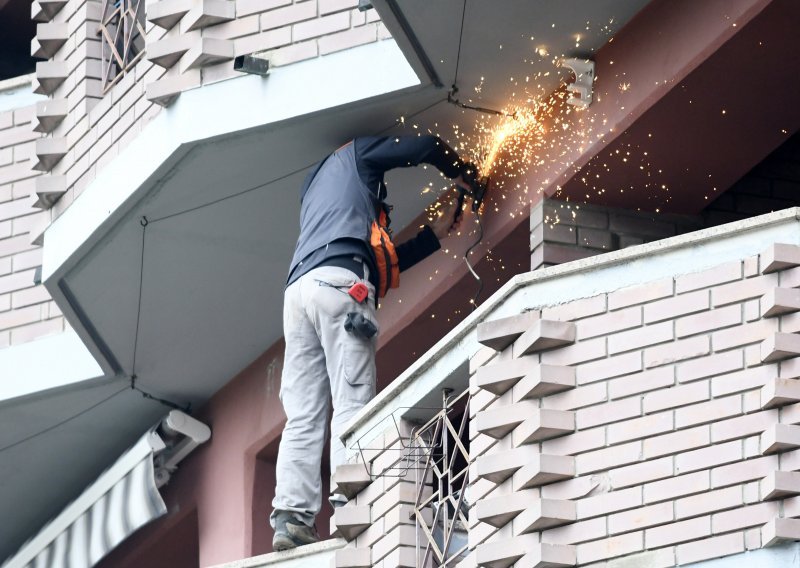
x=344 y=258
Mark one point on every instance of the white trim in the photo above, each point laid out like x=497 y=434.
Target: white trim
x=249 y=101
x=51 y=362
x=584 y=278
x=318 y=555
x=16 y=82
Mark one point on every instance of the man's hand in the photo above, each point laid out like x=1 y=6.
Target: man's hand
x=446 y=221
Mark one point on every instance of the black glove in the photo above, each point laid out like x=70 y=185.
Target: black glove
x=359 y=326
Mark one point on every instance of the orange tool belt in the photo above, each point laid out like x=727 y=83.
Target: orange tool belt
x=385 y=255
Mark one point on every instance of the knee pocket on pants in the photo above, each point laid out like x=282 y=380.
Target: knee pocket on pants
x=359 y=365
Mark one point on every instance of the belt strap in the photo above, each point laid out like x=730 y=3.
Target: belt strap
x=349 y=262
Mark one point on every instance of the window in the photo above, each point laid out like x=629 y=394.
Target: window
x=122 y=38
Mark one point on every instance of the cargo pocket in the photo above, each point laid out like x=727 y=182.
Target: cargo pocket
x=359 y=368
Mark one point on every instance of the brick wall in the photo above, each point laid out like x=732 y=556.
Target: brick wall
x=377 y=521
x=562 y=232
x=26 y=311
x=656 y=423
x=80 y=129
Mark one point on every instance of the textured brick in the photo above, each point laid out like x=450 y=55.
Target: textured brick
x=499 y=510
x=676 y=396
x=744 y=517
x=707 y=321
x=403 y=535
x=500 y=333
x=573 y=488
x=610 y=412
x=609 y=323
x=779 y=485
x=638 y=428
x=640 y=518
x=778 y=301
x=352 y=558
x=748 y=379
x=321 y=26
x=675 y=533
x=499 y=377
x=716 y=364
x=607 y=368
x=711 y=411
x=779 y=438
x=721 y=274
x=578 y=353
x=543 y=381
x=708 y=457
x=608 y=458
x=651 y=380
x=743 y=334
x=742 y=290
x=779 y=346
x=779 y=256
x=501 y=420
x=544 y=334
x=543 y=470
x=709 y=548
x=575 y=443
x=576 y=309
x=641 y=473
x=676 y=487
x=642 y=337
x=743 y=471
x=606 y=503
x=582 y=531
x=671 y=308
x=677 y=351
x=724 y=430
x=676 y=442
x=777 y=530
x=779 y=392
x=544 y=514
x=543 y=425
x=576 y=398
x=352 y=520
x=640 y=294
x=610 y=547
x=280 y=17
x=708 y=502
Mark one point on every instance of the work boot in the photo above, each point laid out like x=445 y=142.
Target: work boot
x=291 y=533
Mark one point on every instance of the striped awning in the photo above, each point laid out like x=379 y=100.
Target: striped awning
x=122 y=500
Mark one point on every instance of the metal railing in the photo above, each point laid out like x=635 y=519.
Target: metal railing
x=442 y=517
x=122 y=38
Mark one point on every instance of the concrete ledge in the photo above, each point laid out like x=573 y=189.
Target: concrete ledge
x=318 y=555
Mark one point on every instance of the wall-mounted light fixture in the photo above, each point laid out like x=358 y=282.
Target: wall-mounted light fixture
x=252 y=65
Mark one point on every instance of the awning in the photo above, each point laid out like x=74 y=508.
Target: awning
x=122 y=500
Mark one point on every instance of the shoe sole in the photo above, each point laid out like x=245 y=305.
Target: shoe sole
x=281 y=543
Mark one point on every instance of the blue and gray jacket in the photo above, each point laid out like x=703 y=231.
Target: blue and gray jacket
x=342 y=196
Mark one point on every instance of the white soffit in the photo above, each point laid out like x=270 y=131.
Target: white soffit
x=123 y=499
x=47 y=363
x=344 y=77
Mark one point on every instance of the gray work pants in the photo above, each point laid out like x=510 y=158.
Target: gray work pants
x=322 y=362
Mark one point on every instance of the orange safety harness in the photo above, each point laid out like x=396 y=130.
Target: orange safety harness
x=385 y=255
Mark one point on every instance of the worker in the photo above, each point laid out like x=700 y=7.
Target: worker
x=343 y=261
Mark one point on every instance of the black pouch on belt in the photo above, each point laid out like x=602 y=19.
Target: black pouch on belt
x=358 y=325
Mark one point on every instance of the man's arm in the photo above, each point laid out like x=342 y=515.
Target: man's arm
x=377 y=154
x=428 y=239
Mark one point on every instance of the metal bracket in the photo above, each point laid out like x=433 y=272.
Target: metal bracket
x=583 y=86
